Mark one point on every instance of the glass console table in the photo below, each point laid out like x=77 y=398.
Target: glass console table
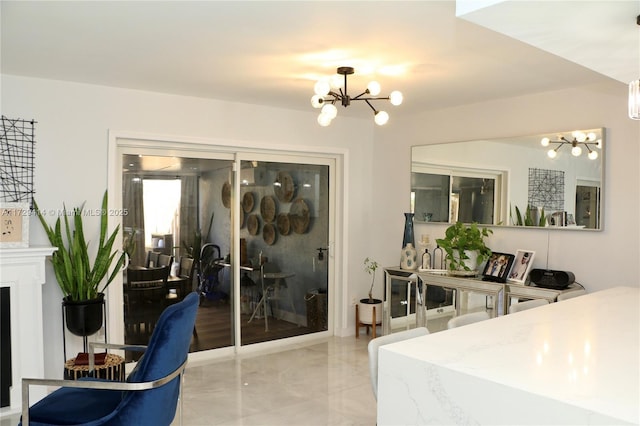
x=458 y=284
x=412 y=297
x=520 y=291
x=407 y=303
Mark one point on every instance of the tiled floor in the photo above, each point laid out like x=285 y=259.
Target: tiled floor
x=320 y=383
x=325 y=382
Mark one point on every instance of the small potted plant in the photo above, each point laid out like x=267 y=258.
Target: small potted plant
x=367 y=305
x=465 y=248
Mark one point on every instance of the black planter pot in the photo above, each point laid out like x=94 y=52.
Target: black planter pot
x=83 y=317
x=370 y=302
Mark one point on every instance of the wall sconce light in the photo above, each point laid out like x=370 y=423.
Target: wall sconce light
x=634 y=94
x=329 y=91
x=588 y=140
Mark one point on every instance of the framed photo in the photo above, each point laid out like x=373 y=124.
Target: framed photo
x=498 y=267
x=14 y=225
x=521 y=266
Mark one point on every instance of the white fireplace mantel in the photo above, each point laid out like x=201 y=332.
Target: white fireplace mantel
x=23 y=271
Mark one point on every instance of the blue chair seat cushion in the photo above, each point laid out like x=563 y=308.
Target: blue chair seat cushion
x=72 y=406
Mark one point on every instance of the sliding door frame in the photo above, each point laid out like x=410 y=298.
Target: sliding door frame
x=121 y=142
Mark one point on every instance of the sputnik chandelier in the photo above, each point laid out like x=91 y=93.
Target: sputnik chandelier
x=634 y=94
x=329 y=92
x=588 y=140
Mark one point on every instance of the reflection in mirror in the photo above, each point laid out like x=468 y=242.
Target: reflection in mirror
x=550 y=180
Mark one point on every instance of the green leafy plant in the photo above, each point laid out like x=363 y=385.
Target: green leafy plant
x=527 y=219
x=77 y=277
x=460 y=238
x=370 y=267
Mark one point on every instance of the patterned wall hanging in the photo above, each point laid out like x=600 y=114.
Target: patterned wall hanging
x=546 y=189
x=17 y=141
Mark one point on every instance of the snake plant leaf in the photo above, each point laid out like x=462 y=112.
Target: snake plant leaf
x=77 y=277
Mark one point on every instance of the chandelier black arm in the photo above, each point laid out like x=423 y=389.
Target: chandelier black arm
x=359 y=97
x=560 y=144
x=368 y=103
x=370 y=99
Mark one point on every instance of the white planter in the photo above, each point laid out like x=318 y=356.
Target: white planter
x=365 y=311
x=471 y=263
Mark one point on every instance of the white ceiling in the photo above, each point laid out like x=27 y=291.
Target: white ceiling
x=600 y=35
x=271 y=53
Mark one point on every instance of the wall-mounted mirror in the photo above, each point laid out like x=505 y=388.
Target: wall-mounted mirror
x=551 y=180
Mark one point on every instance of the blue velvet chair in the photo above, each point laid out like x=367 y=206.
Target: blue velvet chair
x=148 y=397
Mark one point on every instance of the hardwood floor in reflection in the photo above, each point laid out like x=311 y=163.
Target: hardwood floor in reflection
x=213 y=327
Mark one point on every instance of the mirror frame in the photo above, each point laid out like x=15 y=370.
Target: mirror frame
x=467 y=160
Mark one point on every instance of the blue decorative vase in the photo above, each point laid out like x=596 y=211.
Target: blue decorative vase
x=409 y=258
x=408 y=231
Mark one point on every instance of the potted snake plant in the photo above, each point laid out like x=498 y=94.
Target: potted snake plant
x=82 y=281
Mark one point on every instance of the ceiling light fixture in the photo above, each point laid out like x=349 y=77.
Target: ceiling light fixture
x=579 y=138
x=329 y=91
x=634 y=94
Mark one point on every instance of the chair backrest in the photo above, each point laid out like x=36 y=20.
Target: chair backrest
x=152 y=259
x=529 y=304
x=375 y=344
x=147 y=277
x=571 y=294
x=165 y=260
x=168 y=348
x=186 y=267
x=465 y=319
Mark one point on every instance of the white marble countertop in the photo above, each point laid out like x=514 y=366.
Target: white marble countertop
x=582 y=353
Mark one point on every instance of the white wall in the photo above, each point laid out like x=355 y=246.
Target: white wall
x=598 y=259
x=73 y=121
x=71 y=166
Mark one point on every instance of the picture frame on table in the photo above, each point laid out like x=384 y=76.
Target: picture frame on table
x=498 y=267
x=521 y=266
x=14 y=225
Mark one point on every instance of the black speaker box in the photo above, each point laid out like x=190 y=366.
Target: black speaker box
x=551 y=279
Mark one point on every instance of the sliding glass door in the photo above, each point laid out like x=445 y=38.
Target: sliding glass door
x=169 y=227
x=255 y=230
x=283 y=240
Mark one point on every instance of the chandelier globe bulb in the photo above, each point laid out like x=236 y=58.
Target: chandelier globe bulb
x=324 y=120
x=374 y=88
x=381 y=118
x=336 y=81
x=396 y=98
x=545 y=142
x=552 y=153
x=579 y=136
x=322 y=88
x=330 y=110
x=576 y=151
x=592 y=155
x=317 y=101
